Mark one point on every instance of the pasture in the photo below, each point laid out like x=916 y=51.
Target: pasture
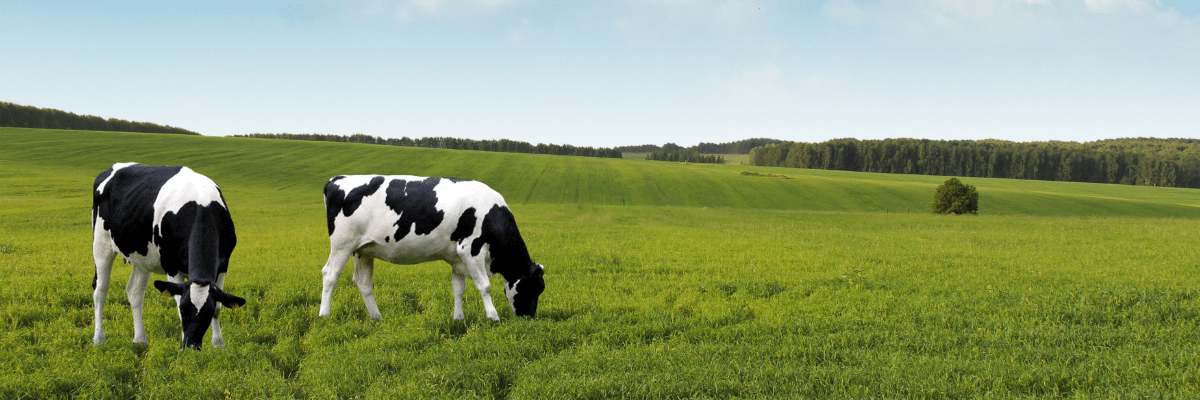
x=664 y=280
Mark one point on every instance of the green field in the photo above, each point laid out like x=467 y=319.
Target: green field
x=664 y=280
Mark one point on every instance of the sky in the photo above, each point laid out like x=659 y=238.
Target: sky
x=611 y=73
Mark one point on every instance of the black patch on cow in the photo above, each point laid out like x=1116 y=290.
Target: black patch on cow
x=466 y=225
x=510 y=257
x=528 y=290
x=196 y=240
x=127 y=204
x=96 y=186
x=338 y=201
x=416 y=202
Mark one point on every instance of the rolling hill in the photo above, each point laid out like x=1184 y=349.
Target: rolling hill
x=285 y=169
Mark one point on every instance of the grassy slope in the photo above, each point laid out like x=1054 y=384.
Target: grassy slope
x=758 y=287
x=302 y=167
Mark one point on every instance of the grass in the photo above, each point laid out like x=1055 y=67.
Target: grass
x=664 y=280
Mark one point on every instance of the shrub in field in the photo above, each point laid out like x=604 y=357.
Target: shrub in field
x=955 y=197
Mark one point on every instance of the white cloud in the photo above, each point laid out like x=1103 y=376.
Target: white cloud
x=409 y=9
x=834 y=85
x=1011 y=21
x=769 y=83
x=847 y=11
x=763 y=82
x=635 y=18
x=405 y=11
x=987 y=20
x=522 y=31
x=1115 y=6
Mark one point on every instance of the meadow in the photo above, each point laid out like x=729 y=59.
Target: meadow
x=664 y=280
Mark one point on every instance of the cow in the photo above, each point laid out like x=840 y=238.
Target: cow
x=165 y=220
x=408 y=220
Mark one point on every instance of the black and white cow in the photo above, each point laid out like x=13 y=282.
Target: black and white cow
x=170 y=221
x=412 y=219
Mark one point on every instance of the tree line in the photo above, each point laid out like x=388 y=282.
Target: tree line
x=687 y=155
x=738 y=147
x=502 y=145
x=21 y=116
x=701 y=153
x=1140 y=161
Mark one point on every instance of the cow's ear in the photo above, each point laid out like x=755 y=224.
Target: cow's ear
x=226 y=299
x=169 y=289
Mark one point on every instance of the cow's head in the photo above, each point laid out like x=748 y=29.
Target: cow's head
x=197 y=307
x=523 y=292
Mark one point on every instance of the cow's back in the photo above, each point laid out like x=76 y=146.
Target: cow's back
x=405 y=219
x=123 y=200
x=150 y=212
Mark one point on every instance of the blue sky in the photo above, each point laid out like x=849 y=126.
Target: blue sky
x=620 y=72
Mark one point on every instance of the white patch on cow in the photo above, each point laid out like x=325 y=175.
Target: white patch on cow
x=178 y=300
x=116 y=167
x=101 y=236
x=150 y=262
x=511 y=292
x=199 y=296
x=185 y=187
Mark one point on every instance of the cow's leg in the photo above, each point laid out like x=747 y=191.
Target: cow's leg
x=478 y=271
x=135 y=290
x=103 y=255
x=218 y=341
x=331 y=271
x=364 y=269
x=178 y=278
x=459 y=284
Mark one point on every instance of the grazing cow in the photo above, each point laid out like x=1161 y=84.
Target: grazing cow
x=412 y=219
x=170 y=221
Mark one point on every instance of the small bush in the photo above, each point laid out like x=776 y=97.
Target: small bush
x=780 y=176
x=955 y=197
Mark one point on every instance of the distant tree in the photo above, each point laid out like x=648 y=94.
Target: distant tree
x=645 y=148
x=685 y=156
x=955 y=197
x=502 y=145
x=20 y=116
x=1134 y=161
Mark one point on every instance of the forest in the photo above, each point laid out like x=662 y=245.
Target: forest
x=687 y=155
x=502 y=145
x=20 y=116
x=738 y=147
x=1131 y=161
